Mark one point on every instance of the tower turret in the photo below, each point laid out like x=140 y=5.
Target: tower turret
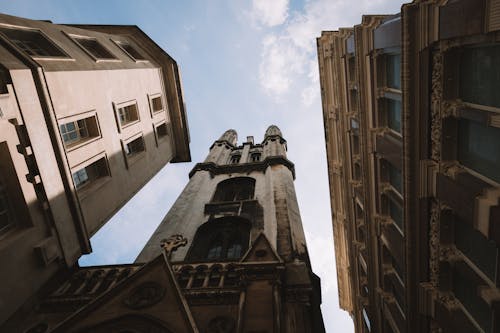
x=221 y=149
x=274 y=144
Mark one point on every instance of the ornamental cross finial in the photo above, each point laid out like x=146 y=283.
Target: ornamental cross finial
x=172 y=243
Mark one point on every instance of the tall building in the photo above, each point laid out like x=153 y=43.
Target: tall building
x=86 y=119
x=230 y=256
x=412 y=132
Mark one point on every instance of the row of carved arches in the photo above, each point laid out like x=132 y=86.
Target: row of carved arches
x=205 y=276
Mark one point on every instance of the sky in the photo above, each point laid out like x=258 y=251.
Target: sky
x=245 y=65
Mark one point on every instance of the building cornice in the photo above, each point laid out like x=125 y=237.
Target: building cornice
x=215 y=169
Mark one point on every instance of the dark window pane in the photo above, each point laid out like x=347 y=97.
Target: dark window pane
x=33 y=42
x=465 y=291
x=480 y=75
x=395 y=177
x=477 y=248
x=393 y=114
x=131 y=51
x=479 y=148
x=393 y=71
x=396 y=212
x=95 y=48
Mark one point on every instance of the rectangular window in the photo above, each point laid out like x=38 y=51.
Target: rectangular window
x=352 y=68
x=131 y=51
x=480 y=75
x=134 y=147
x=33 y=42
x=75 y=132
x=157 y=104
x=392 y=175
x=479 y=147
x=481 y=251
x=161 y=131
x=466 y=292
x=90 y=173
x=393 y=114
x=395 y=211
x=94 y=48
x=6 y=218
x=128 y=114
x=393 y=71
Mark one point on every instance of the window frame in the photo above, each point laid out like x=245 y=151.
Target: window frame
x=160 y=139
x=151 y=98
x=94 y=183
x=76 y=38
x=120 y=44
x=133 y=158
x=123 y=105
x=92 y=137
x=64 y=55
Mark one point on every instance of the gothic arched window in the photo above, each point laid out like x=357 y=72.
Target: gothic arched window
x=235 y=189
x=222 y=239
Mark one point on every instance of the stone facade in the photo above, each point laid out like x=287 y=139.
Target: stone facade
x=412 y=139
x=230 y=256
x=85 y=114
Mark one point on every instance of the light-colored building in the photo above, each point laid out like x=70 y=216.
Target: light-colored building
x=412 y=131
x=88 y=115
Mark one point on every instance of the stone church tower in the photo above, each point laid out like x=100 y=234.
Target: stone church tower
x=230 y=256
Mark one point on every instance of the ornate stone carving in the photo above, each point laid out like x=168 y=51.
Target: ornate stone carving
x=434 y=243
x=221 y=325
x=172 y=243
x=145 y=295
x=436 y=98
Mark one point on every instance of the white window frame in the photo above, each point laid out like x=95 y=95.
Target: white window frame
x=75 y=39
x=64 y=57
x=118 y=106
x=75 y=118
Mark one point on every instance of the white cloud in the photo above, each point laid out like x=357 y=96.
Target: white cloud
x=288 y=53
x=269 y=12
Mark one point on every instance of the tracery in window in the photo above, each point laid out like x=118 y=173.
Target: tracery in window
x=220 y=240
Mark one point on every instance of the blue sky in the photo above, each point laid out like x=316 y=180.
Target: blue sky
x=245 y=65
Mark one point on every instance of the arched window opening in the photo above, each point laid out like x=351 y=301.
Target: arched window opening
x=223 y=239
x=184 y=276
x=235 y=189
x=199 y=277
x=232 y=277
x=215 y=276
x=235 y=159
x=255 y=157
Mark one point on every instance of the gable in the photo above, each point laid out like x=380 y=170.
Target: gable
x=261 y=251
x=147 y=301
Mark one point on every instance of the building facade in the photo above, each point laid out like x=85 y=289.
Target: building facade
x=412 y=133
x=87 y=117
x=230 y=256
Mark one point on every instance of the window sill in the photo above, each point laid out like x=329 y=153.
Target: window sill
x=130 y=123
x=81 y=143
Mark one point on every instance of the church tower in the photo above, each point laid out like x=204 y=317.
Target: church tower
x=229 y=257
x=245 y=266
